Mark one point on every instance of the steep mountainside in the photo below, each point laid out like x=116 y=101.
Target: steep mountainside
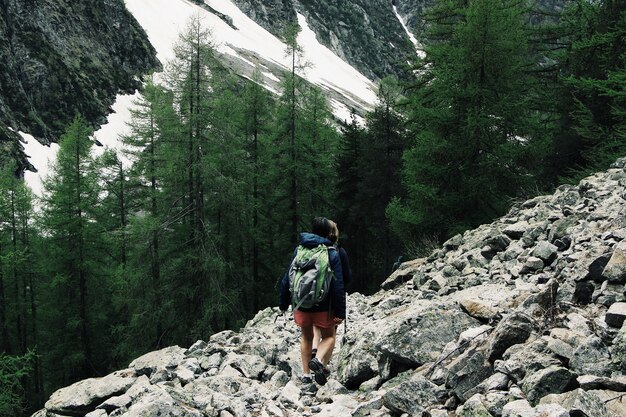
x=365 y=33
x=60 y=57
x=523 y=317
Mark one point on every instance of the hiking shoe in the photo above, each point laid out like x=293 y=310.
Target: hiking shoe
x=321 y=373
x=306 y=379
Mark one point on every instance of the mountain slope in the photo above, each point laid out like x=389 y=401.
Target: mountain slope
x=520 y=317
x=62 y=57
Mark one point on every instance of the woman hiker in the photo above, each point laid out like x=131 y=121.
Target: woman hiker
x=326 y=314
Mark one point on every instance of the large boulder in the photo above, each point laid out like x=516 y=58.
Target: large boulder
x=592 y=357
x=553 y=379
x=616 y=315
x=168 y=358
x=414 y=395
x=466 y=372
x=513 y=329
x=418 y=335
x=578 y=402
x=615 y=270
x=84 y=396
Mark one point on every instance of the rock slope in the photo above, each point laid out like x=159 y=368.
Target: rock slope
x=522 y=317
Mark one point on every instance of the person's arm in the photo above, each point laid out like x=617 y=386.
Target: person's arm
x=345 y=266
x=285 y=293
x=338 y=289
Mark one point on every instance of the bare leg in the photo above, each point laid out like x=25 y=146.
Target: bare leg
x=317 y=335
x=326 y=346
x=306 y=342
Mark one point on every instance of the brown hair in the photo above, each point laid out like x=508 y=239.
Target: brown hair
x=333 y=235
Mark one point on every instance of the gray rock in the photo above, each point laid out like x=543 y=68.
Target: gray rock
x=249 y=366
x=496 y=382
x=513 y=329
x=545 y=251
x=413 y=396
x=473 y=407
x=168 y=358
x=415 y=338
x=540 y=304
x=615 y=270
x=616 y=315
x=331 y=389
x=453 y=243
x=550 y=380
x=84 y=396
x=290 y=396
x=516 y=230
x=560 y=348
x=366 y=408
x=478 y=309
x=495 y=402
x=578 y=401
x=618 y=351
x=96 y=413
x=358 y=361
x=592 y=357
x=532 y=264
x=466 y=372
x=522 y=408
x=524 y=359
x=590 y=382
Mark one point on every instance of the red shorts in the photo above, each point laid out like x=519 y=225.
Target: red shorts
x=319 y=319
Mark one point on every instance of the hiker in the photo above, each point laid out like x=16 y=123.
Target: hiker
x=347 y=277
x=327 y=313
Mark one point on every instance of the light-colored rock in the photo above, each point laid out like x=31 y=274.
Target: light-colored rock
x=512 y=329
x=592 y=357
x=616 y=315
x=532 y=264
x=473 y=407
x=550 y=380
x=84 y=396
x=578 y=400
x=545 y=251
x=591 y=382
x=413 y=396
x=615 y=270
x=478 y=310
x=522 y=408
x=168 y=358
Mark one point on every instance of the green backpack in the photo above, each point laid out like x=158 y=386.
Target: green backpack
x=310 y=276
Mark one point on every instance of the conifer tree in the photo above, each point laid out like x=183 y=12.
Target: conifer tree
x=472 y=120
x=72 y=262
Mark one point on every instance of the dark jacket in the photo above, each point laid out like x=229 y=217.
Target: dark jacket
x=337 y=294
x=345 y=266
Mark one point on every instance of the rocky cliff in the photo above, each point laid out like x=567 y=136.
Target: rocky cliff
x=521 y=317
x=60 y=57
x=364 y=33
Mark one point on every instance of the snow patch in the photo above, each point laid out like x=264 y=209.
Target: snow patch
x=40 y=156
x=418 y=46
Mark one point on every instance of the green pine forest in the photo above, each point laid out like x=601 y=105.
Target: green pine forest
x=117 y=260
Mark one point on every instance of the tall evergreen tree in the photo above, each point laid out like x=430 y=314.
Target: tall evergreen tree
x=472 y=120
x=593 y=76
x=73 y=247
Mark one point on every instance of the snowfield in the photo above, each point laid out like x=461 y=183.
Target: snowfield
x=163 y=20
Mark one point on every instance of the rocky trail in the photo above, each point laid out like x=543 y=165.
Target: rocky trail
x=521 y=317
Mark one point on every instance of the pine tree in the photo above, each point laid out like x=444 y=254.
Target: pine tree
x=593 y=75
x=472 y=120
x=73 y=243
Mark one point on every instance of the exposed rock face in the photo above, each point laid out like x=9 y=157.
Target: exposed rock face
x=62 y=57
x=462 y=332
x=364 y=33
